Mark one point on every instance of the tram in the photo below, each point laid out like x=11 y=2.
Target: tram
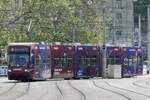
x=62 y=60
x=87 y=61
x=28 y=61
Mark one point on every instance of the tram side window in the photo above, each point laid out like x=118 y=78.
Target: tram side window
x=58 y=62
x=93 y=61
x=47 y=61
x=130 y=62
x=116 y=60
x=37 y=61
x=87 y=62
x=112 y=61
x=82 y=61
x=126 y=61
x=69 y=62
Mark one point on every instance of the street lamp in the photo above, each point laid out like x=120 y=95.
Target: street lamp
x=148 y=35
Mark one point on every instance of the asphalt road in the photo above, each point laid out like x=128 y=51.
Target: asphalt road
x=136 y=88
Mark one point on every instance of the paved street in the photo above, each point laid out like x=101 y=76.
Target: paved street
x=136 y=88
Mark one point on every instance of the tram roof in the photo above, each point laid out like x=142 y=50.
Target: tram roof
x=22 y=43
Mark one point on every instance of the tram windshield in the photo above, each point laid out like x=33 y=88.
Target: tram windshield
x=18 y=56
x=16 y=60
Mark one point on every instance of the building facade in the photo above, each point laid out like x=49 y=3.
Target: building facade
x=121 y=30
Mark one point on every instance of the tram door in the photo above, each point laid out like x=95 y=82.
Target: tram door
x=129 y=63
x=88 y=66
x=62 y=59
x=62 y=64
x=87 y=61
x=35 y=62
x=40 y=60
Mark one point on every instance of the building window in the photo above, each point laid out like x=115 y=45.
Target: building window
x=118 y=4
x=119 y=18
x=119 y=33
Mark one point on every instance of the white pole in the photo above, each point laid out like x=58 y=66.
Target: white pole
x=73 y=34
x=19 y=4
x=148 y=36
x=139 y=32
x=29 y=26
x=105 y=72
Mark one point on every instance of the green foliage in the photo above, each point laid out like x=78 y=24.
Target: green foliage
x=52 y=20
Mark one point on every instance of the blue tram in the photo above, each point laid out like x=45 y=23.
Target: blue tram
x=129 y=61
x=28 y=61
x=87 y=61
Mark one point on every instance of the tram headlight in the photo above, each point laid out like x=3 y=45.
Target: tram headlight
x=9 y=70
x=26 y=70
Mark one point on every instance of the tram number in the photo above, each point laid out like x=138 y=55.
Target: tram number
x=58 y=70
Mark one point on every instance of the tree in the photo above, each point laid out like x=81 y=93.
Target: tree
x=50 y=20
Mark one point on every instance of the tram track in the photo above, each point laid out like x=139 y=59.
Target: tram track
x=12 y=92
x=79 y=91
x=61 y=93
x=124 y=89
x=109 y=90
x=26 y=91
x=9 y=89
x=141 y=86
x=147 y=83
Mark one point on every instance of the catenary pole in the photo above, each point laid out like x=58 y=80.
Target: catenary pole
x=148 y=36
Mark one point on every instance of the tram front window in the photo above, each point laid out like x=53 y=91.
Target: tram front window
x=16 y=60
